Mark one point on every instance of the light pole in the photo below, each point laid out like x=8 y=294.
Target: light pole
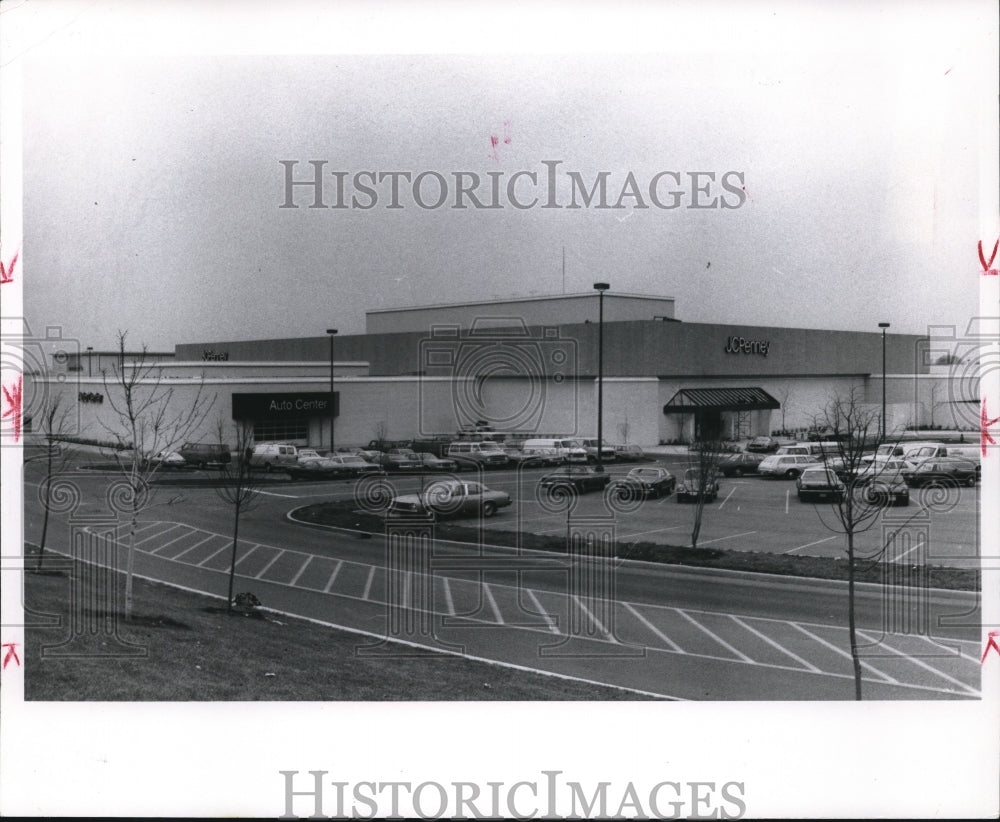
x=90 y=372
x=600 y=288
x=883 y=326
x=332 y=332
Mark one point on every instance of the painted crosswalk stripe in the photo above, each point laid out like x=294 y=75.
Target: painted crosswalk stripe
x=199 y=542
x=917 y=661
x=493 y=603
x=214 y=555
x=368 y=584
x=883 y=676
x=447 y=596
x=673 y=645
x=253 y=548
x=158 y=534
x=175 y=539
x=263 y=570
x=302 y=569
x=541 y=610
x=333 y=576
x=714 y=636
x=773 y=644
x=597 y=623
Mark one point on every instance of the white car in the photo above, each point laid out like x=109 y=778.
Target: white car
x=450 y=498
x=788 y=466
x=168 y=459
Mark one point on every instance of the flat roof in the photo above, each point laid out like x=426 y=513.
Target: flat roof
x=539 y=298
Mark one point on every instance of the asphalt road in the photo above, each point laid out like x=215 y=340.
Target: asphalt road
x=678 y=632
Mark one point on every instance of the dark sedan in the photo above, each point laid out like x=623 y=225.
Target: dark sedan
x=434 y=463
x=578 y=477
x=736 y=465
x=647 y=482
x=763 y=445
x=942 y=471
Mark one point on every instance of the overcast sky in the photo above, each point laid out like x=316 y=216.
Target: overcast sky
x=152 y=184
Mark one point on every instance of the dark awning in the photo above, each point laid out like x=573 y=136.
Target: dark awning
x=692 y=400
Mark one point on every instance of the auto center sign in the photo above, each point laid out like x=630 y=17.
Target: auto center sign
x=285 y=405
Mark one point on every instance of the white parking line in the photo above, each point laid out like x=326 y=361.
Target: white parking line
x=922 y=664
x=214 y=555
x=731 y=536
x=274 y=559
x=774 y=644
x=493 y=603
x=253 y=548
x=907 y=551
x=727 y=498
x=158 y=534
x=714 y=636
x=842 y=652
x=593 y=619
x=817 y=542
x=275 y=494
x=787 y=495
x=541 y=610
x=448 y=601
x=175 y=539
x=200 y=542
x=146 y=526
x=653 y=628
x=302 y=569
x=368 y=583
x=333 y=576
x=654 y=531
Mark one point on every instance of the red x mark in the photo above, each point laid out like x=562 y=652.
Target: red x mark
x=985 y=438
x=7 y=274
x=992 y=643
x=13 y=397
x=987 y=271
x=11 y=654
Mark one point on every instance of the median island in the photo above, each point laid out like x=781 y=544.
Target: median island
x=346 y=515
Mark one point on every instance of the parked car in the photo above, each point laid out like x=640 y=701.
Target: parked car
x=629 y=453
x=433 y=463
x=884 y=452
x=450 y=498
x=473 y=455
x=763 y=445
x=401 y=459
x=888 y=490
x=691 y=486
x=886 y=470
x=568 y=450
x=578 y=477
x=535 y=457
x=271 y=455
x=820 y=482
x=168 y=459
x=942 y=471
x=788 y=466
x=647 y=482
x=317 y=467
x=202 y=454
x=745 y=462
x=356 y=465
x=608 y=452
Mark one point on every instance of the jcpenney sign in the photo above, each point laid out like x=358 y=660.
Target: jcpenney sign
x=741 y=345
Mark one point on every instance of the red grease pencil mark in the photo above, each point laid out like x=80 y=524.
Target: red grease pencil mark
x=11 y=654
x=985 y=438
x=7 y=274
x=991 y=643
x=987 y=271
x=13 y=397
x=495 y=141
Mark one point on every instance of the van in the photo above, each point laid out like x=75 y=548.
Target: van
x=566 y=449
x=269 y=455
x=201 y=454
x=918 y=452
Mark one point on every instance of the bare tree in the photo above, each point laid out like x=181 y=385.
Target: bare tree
x=54 y=417
x=783 y=395
x=147 y=421
x=239 y=486
x=934 y=402
x=624 y=429
x=700 y=481
x=856 y=507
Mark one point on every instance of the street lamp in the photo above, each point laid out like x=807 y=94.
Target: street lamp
x=883 y=326
x=600 y=288
x=90 y=372
x=332 y=332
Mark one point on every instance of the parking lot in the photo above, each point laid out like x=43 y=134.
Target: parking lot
x=939 y=526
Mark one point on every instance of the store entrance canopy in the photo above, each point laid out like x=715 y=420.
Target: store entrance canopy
x=697 y=400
